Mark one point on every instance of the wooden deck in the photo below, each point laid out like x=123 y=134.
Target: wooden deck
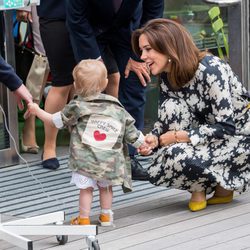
x=150 y=218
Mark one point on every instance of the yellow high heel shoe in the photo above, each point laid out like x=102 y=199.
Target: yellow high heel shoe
x=220 y=200
x=197 y=205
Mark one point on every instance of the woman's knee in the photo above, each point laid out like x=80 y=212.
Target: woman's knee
x=176 y=113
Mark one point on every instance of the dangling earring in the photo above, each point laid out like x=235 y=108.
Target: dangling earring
x=169 y=60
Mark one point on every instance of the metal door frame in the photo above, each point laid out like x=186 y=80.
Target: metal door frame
x=9 y=156
x=238 y=24
x=238 y=36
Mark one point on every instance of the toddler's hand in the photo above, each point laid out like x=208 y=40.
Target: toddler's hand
x=27 y=114
x=151 y=142
x=144 y=149
x=32 y=108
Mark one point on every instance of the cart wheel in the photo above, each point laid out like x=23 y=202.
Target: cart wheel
x=62 y=239
x=95 y=245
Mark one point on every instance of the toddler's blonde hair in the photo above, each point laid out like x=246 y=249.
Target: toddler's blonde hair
x=90 y=77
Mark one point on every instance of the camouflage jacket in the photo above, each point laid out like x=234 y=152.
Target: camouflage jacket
x=100 y=130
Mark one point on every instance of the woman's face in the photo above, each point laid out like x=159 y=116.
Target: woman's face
x=156 y=61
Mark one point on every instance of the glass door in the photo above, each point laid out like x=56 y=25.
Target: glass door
x=194 y=15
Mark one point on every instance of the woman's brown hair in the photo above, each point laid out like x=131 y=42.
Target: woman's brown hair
x=173 y=40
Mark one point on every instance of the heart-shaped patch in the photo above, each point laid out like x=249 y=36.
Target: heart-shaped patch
x=99 y=136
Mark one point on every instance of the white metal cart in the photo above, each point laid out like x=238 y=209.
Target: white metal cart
x=47 y=224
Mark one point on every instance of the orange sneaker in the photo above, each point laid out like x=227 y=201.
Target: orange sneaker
x=106 y=218
x=80 y=221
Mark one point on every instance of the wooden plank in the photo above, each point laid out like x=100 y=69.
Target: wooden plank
x=41 y=198
x=135 y=210
x=22 y=168
x=242 y=242
x=123 y=229
x=79 y=243
x=33 y=180
x=225 y=234
x=208 y=236
x=163 y=231
x=149 y=218
x=28 y=194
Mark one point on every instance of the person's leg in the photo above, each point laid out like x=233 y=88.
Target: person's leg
x=222 y=192
x=106 y=197
x=198 y=196
x=197 y=201
x=221 y=196
x=112 y=68
x=28 y=136
x=55 y=101
x=113 y=84
x=61 y=61
x=86 y=186
x=35 y=83
x=85 y=202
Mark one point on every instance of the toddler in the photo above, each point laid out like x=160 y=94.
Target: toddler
x=100 y=130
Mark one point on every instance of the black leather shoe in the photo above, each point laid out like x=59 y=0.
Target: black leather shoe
x=51 y=163
x=138 y=172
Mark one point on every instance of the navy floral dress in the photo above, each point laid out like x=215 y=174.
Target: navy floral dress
x=213 y=109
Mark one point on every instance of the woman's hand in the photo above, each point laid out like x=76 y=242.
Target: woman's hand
x=141 y=70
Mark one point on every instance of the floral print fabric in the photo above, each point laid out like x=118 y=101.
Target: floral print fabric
x=212 y=108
